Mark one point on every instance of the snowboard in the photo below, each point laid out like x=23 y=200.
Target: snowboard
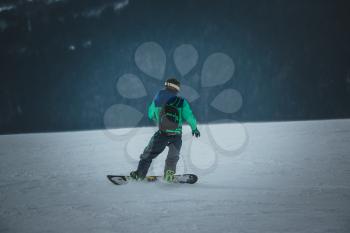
x=179 y=179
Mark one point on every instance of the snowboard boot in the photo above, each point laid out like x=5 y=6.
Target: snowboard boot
x=135 y=175
x=169 y=176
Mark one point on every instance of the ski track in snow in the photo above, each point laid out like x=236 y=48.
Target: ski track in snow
x=291 y=177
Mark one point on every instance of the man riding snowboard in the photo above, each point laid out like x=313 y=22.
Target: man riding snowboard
x=168 y=110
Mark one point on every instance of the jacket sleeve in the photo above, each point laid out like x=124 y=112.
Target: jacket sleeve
x=152 y=111
x=188 y=115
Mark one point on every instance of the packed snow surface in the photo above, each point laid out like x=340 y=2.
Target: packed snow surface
x=289 y=177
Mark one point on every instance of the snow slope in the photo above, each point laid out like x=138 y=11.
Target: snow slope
x=290 y=177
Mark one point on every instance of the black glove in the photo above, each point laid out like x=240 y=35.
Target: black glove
x=196 y=133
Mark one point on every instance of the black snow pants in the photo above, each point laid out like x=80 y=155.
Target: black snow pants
x=156 y=145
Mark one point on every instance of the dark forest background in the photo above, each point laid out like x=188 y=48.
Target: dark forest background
x=60 y=60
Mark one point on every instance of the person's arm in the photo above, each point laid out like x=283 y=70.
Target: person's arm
x=152 y=112
x=188 y=115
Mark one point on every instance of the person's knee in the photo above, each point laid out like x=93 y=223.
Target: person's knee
x=148 y=156
x=144 y=156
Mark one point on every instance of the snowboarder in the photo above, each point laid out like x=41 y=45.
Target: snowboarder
x=168 y=110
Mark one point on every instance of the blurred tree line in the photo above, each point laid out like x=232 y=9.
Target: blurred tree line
x=60 y=62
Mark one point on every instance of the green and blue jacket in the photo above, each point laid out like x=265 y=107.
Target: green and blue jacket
x=184 y=109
